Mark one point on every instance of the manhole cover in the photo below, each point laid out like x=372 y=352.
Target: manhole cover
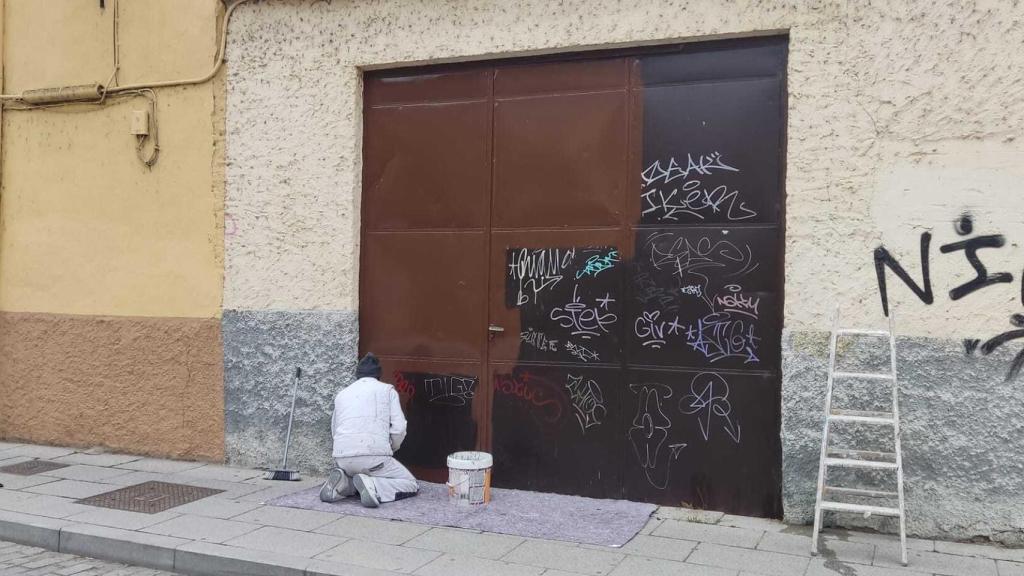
x=149 y=497
x=31 y=467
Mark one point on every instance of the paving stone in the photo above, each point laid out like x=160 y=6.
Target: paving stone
x=46 y=505
x=649 y=527
x=15 y=482
x=265 y=493
x=38 y=451
x=214 y=507
x=380 y=556
x=658 y=547
x=1010 y=568
x=128 y=546
x=465 y=543
x=564 y=557
x=201 y=528
x=826 y=567
x=102 y=459
x=230 y=490
x=945 y=564
x=688 y=515
x=373 y=529
x=750 y=523
x=295 y=542
x=86 y=472
x=71 y=488
x=452 y=565
x=857 y=552
x=981 y=551
x=879 y=539
x=224 y=473
x=131 y=478
x=4 y=446
x=294 y=518
x=759 y=561
x=638 y=565
x=121 y=518
x=709 y=533
x=159 y=466
x=31 y=530
x=325 y=568
x=207 y=558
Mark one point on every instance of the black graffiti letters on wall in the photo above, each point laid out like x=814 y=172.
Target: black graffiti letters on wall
x=964 y=227
x=883 y=260
x=990 y=345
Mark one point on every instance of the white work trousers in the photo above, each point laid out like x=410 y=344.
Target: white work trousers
x=392 y=480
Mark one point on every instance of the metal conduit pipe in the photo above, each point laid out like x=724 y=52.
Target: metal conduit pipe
x=97 y=92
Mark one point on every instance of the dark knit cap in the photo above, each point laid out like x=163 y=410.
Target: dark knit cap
x=368 y=367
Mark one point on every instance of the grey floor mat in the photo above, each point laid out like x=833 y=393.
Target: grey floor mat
x=516 y=512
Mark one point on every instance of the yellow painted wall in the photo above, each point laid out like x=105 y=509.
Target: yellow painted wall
x=85 y=227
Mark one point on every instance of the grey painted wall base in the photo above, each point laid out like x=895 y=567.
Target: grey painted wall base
x=963 y=435
x=261 y=351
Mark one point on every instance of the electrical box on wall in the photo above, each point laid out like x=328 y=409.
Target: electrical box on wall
x=140 y=123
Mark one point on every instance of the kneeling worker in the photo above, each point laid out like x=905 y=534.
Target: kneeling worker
x=368 y=426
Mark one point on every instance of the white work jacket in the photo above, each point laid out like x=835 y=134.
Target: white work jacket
x=367 y=420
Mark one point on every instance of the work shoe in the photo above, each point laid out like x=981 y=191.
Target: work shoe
x=367 y=490
x=336 y=487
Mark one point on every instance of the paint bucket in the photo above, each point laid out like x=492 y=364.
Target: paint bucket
x=469 y=478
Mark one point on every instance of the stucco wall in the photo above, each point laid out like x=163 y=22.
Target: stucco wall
x=902 y=116
x=111 y=273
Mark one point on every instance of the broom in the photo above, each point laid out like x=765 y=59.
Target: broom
x=283 y=473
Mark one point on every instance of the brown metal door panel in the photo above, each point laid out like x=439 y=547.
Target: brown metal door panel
x=424 y=294
x=427 y=166
x=411 y=86
x=705 y=297
x=700 y=61
x=513 y=81
x=444 y=404
x=560 y=161
x=702 y=439
x=711 y=153
x=557 y=295
x=557 y=428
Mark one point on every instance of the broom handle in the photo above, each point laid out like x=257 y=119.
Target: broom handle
x=291 y=415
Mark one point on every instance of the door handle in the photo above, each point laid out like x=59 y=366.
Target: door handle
x=493 y=330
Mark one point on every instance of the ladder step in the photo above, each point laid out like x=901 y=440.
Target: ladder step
x=860 y=508
x=863 y=375
x=865 y=416
x=862 y=454
x=856 y=332
x=865 y=492
x=851 y=463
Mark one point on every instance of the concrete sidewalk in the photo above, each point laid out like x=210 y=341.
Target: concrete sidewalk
x=233 y=532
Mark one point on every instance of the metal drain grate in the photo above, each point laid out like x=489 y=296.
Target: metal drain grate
x=149 y=497
x=31 y=467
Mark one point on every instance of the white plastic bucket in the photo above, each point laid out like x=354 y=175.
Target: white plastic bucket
x=469 y=478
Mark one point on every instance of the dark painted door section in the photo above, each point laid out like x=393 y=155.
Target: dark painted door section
x=576 y=264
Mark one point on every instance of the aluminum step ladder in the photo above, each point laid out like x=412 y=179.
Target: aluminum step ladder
x=860 y=459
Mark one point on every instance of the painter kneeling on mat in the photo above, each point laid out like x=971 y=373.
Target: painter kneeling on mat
x=368 y=427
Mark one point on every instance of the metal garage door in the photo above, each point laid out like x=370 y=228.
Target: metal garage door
x=576 y=264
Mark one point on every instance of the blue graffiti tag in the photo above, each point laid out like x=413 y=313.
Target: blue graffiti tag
x=597 y=264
